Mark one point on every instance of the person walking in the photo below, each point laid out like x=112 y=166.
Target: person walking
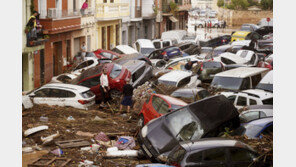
x=104 y=87
x=127 y=96
x=84 y=6
x=83 y=52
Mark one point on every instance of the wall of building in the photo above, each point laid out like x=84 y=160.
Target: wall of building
x=113 y=24
x=235 y=18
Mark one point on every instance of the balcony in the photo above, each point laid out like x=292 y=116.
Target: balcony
x=88 y=19
x=58 y=21
x=112 y=11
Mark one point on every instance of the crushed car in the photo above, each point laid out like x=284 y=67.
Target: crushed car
x=190 y=95
x=180 y=79
x=205 y=118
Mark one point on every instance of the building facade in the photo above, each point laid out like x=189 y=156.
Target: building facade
x=109 y=14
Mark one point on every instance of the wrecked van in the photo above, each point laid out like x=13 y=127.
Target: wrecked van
x=205 y=118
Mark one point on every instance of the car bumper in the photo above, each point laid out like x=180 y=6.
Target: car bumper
x=147 y=149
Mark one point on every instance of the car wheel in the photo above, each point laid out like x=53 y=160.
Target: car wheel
x=141 y=121
x=200 y=26
x=115 y=94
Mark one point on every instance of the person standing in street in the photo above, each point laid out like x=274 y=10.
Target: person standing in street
x=104 y=87
x=127 y=96
x=83 y=52
x=84 y=6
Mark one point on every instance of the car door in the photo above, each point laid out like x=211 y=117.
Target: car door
x=241 y=101
x=239 y=157
x=68 y=97
x=215 y=157
x=40 y=96
x=55 y=97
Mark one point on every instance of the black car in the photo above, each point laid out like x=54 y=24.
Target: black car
x=212 y=152
x=205 y=118
x=218 y=41
x=265 y=30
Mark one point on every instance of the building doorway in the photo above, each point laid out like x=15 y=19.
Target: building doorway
x=108 y=37
x=103 y=38
x=57 y=58
x=42 y=81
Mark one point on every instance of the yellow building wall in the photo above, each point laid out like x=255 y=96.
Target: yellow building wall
x=112 y=24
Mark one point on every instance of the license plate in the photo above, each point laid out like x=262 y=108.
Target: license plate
x=146 y=150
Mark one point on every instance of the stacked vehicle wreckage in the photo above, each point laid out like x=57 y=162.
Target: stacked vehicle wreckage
x=216 y=113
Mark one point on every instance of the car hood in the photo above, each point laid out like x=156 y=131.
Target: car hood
x=160 y=136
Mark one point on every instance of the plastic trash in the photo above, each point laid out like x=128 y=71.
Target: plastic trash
x=95 y=147
x=102 y=137
x=114 y=152
x=27 y=149
x=50 y=138
x=86 y=163
x=58 y=152
x=97 y=118
x=43 y=119
x=125 y=143
x=70 y=118
x=85 y=148
x=34 y=130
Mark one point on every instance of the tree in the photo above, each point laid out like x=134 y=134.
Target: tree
x=173 y=7
x=220 y=3
x=239 y=4
x=266 y=4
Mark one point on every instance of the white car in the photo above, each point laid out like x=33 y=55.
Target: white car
x=249 y=97
x=61 y=95
x=266 y=82
x=144 y=46
x=88 y=63
x=242 y=57
x=256 y=112
x=159 y=43
x=64 y=78
x=178 y=78
x=124 y=49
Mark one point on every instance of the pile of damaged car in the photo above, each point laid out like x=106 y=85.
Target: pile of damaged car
x=173 y=102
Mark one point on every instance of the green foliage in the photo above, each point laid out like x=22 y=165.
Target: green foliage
x=173 y=7
x=253 y=3
x=220 y=3
x=267 y=4
x=155 y=9
x=238 y=4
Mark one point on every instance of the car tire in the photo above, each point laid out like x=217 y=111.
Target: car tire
x=115 y=94
x=141 y=121
x=200 y=26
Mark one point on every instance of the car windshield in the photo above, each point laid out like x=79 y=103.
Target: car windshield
x=87 y=94
x=227 y=82
x=175 y=107
x=267 y=87
x=245 y=28
x=147 y=51
x=116 y=70
x=211 y=65
x=184 y=126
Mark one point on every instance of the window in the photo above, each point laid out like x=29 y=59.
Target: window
x=91 y=82
x=163 y=109
x=157 y=45
x=111 y=1
x=156 y=102
x=255 y=80
x=65 y=94
x=249 y=116
x=184 y=81
x=84 y=64
x=105 y=1
x=165 y=44
x=116 y=70
x=241 y=155
x=204 y=93
x=108 y=55
x=55 y=93
x=138 y=74
x=262 y=114
x=268 y=101
x=64 y=78
x=253 y=102
x=217 y=154
x=268 y=130
x=245 y=84
x=232 y=98
x=42 y=93
x=241 y=101
x=195 y=157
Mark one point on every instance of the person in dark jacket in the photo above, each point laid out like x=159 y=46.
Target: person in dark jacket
x=188 y=66
x=127 y=96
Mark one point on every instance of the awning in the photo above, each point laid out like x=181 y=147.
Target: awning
x=173 y=19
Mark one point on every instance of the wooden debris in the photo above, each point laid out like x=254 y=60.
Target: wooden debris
x=72 y=143
x=46 y=162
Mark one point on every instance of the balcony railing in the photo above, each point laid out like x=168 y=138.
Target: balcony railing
x=109 y=11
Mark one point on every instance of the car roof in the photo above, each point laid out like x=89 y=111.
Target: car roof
x=261 y=93
x=175 y=75
x=268 y=78
x=233 y=57
x=172 y=100
x=212 y=143
x=145 y=43
x=66 y=86
x=190 y=90
x=242 y=72
x=261 y=122
x=126 y=49
x=192 y=58
x=132 y=65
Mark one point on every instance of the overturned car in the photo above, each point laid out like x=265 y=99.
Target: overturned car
x=205 y=118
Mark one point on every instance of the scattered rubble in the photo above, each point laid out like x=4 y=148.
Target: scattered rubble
x=35 y=130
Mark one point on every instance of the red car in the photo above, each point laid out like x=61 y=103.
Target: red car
x=158 y=105
x=91 y=79
x=103 y=54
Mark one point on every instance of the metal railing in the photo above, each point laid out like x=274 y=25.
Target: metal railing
x=111 y=10
x=57 y=14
